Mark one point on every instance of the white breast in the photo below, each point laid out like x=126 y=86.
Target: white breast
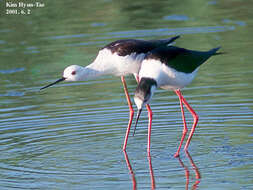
x=166 y=77
x=111 y=63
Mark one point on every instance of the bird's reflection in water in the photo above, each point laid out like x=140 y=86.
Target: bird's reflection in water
x=187 y=172
x=152 y=178
x=130 y=170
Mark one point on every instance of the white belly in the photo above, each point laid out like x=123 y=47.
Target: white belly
x=166 y=77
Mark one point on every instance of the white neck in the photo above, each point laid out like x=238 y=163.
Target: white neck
x=90 y=72
x=102 y=65
x=107 y=63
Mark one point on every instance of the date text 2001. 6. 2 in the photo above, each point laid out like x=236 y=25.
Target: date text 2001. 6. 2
x=17 y=12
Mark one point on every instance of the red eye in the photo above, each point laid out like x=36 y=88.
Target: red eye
x=73 y=73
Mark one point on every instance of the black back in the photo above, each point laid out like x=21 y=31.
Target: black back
x=128 y=46
x=180 y=59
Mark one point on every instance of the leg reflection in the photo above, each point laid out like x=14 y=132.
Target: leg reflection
x=152 y=177
x=195 y=168
x=187 y=173
x=130 y=170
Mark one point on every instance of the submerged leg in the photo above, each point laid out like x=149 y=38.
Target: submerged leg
x=185 y=126
x=131 y=112
x=195 y=121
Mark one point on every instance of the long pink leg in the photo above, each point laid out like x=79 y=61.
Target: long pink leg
x=131 y=112
x=185 y=126
x=149 y=126
x=195 y=121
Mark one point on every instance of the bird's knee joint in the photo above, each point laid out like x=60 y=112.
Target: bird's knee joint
x=196 y=118
x=185 y=131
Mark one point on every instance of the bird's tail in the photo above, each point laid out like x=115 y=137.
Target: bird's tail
x=214 y=51
x=170 y=40
x=164 y=42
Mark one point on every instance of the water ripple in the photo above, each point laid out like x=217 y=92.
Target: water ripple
x=166 y=31
x=176 y=17
x=67 y=36
x=10 y=71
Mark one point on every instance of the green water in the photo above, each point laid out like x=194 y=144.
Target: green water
x=70 y=136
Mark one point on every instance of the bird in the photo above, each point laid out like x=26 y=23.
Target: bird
x=119 y=58
x=169 y=68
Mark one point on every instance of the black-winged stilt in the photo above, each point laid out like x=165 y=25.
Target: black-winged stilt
x=118 y=58
x=170 y=68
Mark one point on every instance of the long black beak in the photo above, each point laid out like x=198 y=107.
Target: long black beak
x=61 y=79
x=137 y=118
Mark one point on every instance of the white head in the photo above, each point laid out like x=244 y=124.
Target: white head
x=71 y=73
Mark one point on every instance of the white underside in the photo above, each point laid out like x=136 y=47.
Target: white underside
x=108 y=63
x=166 y=77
